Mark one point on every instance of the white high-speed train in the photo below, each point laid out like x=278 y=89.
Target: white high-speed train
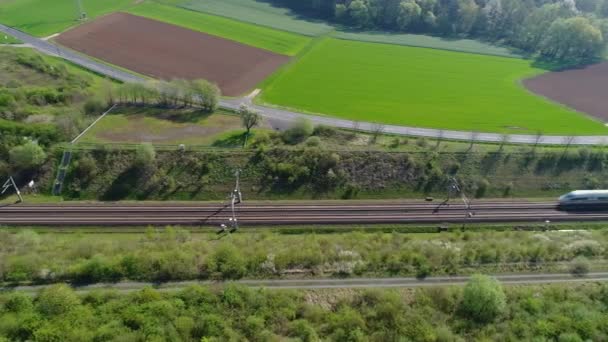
x=584 y=199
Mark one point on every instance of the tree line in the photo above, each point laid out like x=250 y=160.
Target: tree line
x=567 y=31
x=172 y=93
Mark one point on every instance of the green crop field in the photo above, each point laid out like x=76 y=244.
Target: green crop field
x=419 y=40
x=260 y=13
x=281 y=42
x=421 y=87
x=45 y=17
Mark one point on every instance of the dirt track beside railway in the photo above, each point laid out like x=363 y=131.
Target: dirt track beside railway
x=167 y=51
x=582 y=89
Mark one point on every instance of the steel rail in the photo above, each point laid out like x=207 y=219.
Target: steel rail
x=288 y=214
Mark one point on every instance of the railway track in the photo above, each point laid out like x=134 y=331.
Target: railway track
x=287 y=214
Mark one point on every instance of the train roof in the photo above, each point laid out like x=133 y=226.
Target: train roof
x=588 y=192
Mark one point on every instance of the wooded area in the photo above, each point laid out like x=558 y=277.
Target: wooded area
x=566 y=31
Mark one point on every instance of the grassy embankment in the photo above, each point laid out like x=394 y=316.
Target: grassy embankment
x=44 y=18
x=421 y=87
x=258 y=36
x=174 y=254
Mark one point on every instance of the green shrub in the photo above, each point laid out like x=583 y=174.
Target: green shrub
x=325 y=131
x=301 y=130
x=483 y=299
x=27 y=156
x=313 y=141
x=94 y=106
x=481 y=187
x=580 y=266
x=145 y=155
x=227 y=262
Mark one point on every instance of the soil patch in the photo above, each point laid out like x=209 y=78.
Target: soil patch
x=581 y=89
x=167 y=51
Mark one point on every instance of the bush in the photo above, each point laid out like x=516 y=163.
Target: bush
x=483 y=299
x=94 y=106
x=228 y=262
x=313 y=141
x=481 y=186
x=145 y=155
x=325 y=131
x=580 y=266
x=27 y=156
x=422 y=142
x=301 y=130
x=57 y=300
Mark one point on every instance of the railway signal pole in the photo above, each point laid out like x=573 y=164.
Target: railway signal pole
x=11 y=183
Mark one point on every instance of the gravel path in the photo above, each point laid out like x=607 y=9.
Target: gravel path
x=285 y=115
x=346 y=283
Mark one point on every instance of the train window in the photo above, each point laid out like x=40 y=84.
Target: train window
x=580 y=199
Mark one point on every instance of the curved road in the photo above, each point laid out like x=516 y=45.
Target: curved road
x=106 y=70
x=345 y=283
x=211 y=215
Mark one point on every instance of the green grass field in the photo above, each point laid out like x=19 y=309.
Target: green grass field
x=166 y=127
x=6 y=39
x=421 y=87
x=260 y=13
x=419 y=40
x=45 y=17
x=262 y=37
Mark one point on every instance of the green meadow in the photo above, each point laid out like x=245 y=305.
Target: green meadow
x=421 y=87
x=260 y=13
x=281 y=42
x=45 y=17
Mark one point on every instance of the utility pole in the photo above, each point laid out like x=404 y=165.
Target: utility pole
x=455 y=187
x=11 y=183
x=235 y=198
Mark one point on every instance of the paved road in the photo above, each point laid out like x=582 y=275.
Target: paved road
x=310 y=284
x=214 y=215
x=286 y=115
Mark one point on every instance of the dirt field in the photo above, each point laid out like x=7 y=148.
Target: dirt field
x=582 y=89
x=166 y=51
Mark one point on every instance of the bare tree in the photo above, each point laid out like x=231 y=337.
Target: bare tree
x=249 y=118
x=473 y=138
x=377 y=130
x=504 y=139
x=439 y=139
x=568 y=142
x=538 y=137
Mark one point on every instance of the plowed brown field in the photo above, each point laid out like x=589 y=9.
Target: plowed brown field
x=167 y=51
x=584 y=89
